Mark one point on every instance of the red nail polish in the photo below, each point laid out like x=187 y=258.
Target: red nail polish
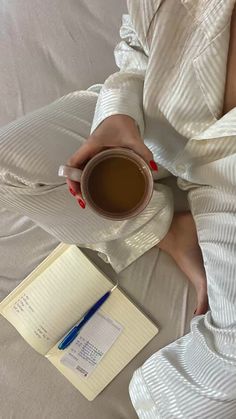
x=153 y=165
x=72 y=191
x=81 y=203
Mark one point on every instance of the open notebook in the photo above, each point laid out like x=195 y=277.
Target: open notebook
x=47 y=304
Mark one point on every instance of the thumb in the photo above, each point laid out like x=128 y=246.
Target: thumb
x=84 y=153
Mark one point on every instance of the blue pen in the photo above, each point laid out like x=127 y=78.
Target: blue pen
x=71 y=335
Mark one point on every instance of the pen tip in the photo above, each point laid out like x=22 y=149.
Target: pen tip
x=115 y=286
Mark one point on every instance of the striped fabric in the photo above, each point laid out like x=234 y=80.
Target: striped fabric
x=172 y=59
x=185 y=45
x=31 y=150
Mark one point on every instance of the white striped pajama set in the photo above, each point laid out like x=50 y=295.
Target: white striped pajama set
x=172 y=59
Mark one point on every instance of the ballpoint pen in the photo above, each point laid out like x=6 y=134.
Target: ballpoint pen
x=73 y=333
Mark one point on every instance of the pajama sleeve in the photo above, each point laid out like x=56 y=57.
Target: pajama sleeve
x=122 y=92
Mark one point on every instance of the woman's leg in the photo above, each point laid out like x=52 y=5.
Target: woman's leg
x=31 y=150
x=32 y=147
x=196 y=376
x=181 y=243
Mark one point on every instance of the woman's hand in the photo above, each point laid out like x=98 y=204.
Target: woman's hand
x=114 y=131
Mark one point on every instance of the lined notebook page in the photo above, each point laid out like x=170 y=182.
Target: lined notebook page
x=137 y=331
x=52 y=299
x=55 y=297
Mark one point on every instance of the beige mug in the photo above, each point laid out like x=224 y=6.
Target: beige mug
x=84 y=178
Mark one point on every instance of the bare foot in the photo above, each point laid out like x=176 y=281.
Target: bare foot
x=181 y=243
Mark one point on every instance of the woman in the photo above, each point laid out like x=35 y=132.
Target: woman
x=176 y=88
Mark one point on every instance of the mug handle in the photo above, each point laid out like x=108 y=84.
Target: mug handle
x=70 y=172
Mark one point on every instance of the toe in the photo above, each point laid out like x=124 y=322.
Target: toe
x=202 y=302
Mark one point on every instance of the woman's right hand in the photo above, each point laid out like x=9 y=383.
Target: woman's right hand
x=114 y=131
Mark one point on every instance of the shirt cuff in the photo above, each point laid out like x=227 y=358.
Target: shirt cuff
x=117 y=101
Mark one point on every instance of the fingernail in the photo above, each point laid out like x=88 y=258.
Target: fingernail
x=72 y=191
x=81 y=203
x=153 y=165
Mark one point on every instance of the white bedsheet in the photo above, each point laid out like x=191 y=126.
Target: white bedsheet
x=48 y=49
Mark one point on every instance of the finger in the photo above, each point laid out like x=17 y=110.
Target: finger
x=75 y=190
x=141 y=149
x=85 y=152
x=74 y=187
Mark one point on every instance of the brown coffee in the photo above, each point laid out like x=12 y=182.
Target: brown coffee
x=117 y=184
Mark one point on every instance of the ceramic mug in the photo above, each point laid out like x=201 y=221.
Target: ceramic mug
x=82 y=176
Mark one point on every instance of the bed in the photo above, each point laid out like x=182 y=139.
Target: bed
x=48 y=49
